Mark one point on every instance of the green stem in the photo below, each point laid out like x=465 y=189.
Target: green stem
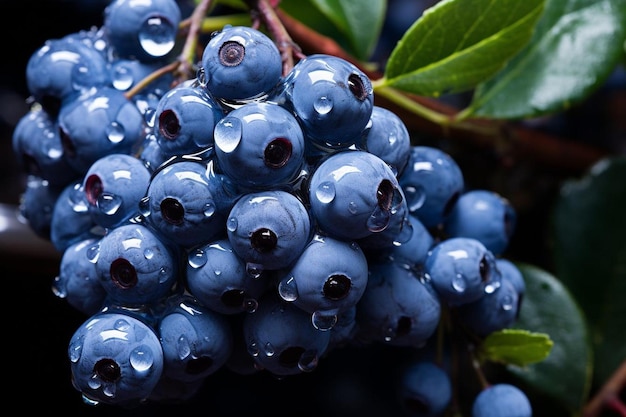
x=405 y=102
x=213 y=23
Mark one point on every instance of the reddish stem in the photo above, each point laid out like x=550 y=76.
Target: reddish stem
x=608 y=395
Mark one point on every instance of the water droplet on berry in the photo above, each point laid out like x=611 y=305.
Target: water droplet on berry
x=122 y=78
x=115 y=132
x=492 y=286
x=323 y=105
x=507 y=303
x=227 y=134
x=253 y=348
x=254 y=270
x=209 y=209
x=197 y=258
x=268 y=349
x=141 y=358
x=182 y=347
x=250 y=305
x=76 y=349
x=308 y=361
x=324 y=320
x=148 y=253
x=379 y=220
x=288 y=289
x=458 y=283
x=93 y=253
x=415 y=197
x=109 y=204
x=144 y=206
x=232 y=224
x=325 y=192
x=157 y=36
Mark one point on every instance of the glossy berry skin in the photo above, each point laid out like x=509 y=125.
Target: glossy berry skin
x=483 y=215
x=269 y=229
x=78 y=282
x=281 y=338
x=37 y=144
x=259 y=145
x=196 y=341
x=126 y=73
x=144 y=30
x=62 y=69
x=186 y=203
x=113 y=186
x=98 y=124
x=501 y=400
x=387 y=137
x=425 y=389
x=462 y=270
x=398 y=307
x=432 y=182
x=184 y=120
x=219 y=279
x=354 y=194
x=509 y=270
x=331 y=98
x=240 y=63
x=328 y=278
x=412 y=253
x=36 y=205
x=494 y=311
x=134 y=266
x=71 y=221
x=115 y=359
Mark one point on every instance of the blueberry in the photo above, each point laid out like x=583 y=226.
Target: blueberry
x=115 y=359
x=432 y=182
x=344 y=331
x=134 y=265
x=493 y=311
x=387 y=137
x=144 y=30
x=328 y=278
x=260 y=145
x=354 y=194
x=509 y=270
x=196 y=341
x=186 y=203
x=219 y=279
x=126 y=73
x=425 y=389
x=483 y=215
x=36 y=205
x=78 y=282
x=37 y=143
x=501 y=400
x=331 y=97
x=268 y=229
x=63 y=68
x=413 y=252
x=281 y=338
x=97 y=124
x=113 y=186
x=184 y=120
x=240 y=63
x=71 y=221
x=398 y=307
x=462 y=270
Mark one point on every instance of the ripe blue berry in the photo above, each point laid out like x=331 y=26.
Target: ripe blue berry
x=425 y=389
x=115 y=359
x=501 y=400
x=240 y=63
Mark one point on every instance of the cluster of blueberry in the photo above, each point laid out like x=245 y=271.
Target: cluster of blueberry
x=245 y=218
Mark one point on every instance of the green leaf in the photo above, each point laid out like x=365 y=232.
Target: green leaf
x=356 y=24
x=590 y=255
x=458 y=44
x=548 y=307
x=574 y=49
x=516 y=347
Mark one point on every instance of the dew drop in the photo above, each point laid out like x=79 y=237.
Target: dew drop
x=109 y=390
x=182 y=347
x=308 y=361
x=144 y=206
x=415 y=197
x=507 y=303
x=59 y=287
x=93 y=253
x=288 y=289
x=148 y=253
x=492 y=286
x=122 y=78
x=323 y=320
x=458 y=283
x=141 y=358
x=94 y=382
x=209 y=209
x=389 y=334
x=254 y=270
x=76 y=349
x=232 y=224
x=323 y=105
x=157 y=36
x=227 y=134
x=253 y=348
x=115 y=132
x=269 y=350
x=325 y=192
x=109 y=204
x=197 y=258
x=379 y=220
x=250 y=305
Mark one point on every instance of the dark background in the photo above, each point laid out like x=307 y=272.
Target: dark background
x=349 y=382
